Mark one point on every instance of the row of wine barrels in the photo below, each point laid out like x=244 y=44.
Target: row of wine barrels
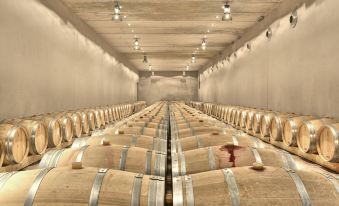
x=302 y=131
x=142 y=141
x=33 y=135
x=80 y=186
x=226 y=156
x=255 y=186
x=131 y=159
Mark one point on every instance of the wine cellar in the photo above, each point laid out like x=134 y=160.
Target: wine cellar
x=169 y=103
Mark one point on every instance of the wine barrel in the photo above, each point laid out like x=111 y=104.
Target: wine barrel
x=76 y=123
x=256 y=121
x=194 y=124
x=110 y=114
x=2 y=153
x=226 y=156
x=160 y=133
x=106 y=115
x=143 y=119
x=131 y=159
x=277 y=126
x=255 y=186
x=308 y=131
x=198 y=131
x=146 y=124
x=67 y=130
x=328 y=143
x=214 y=139
x=265 y=124
x=16 y=143
x=37 y=134
x=249 y=120
x=81 y=186
x=84 y=121
x=91 y=119
x=141 y=141
x=54 y=132
x=291 y=129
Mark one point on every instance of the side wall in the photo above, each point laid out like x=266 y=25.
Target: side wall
x=47 y=65
x=295 y=71
x=167 y=86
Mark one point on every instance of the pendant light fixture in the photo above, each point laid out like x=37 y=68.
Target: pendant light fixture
x=193 y=60
x=136 y=44
x=187 y=67
x=227 y=12
x=203 y=44
x=117 y=10
x=150 y=67
x=145 y=61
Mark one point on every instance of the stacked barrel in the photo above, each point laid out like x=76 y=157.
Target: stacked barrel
x=218 y=164
x=34 y=135
x=311 y=137
x=124 y=165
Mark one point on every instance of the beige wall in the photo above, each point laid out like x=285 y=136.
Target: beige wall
x=48 y=65
x=167 y=86
x=296 y=71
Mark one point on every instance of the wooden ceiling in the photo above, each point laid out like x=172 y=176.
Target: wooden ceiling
x=169 y=31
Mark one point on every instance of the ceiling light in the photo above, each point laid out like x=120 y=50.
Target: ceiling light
x=203 y=44
x=117 y=10
x=152 y=73
x=150 y=67
x=227 y=12
x=136 y=44
x=145 y=61
x=183 y=73
x=187 y=67
x=193 y=58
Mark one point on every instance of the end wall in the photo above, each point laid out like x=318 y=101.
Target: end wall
x=167 y=86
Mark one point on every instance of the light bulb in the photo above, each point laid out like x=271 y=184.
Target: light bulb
x=203 y=44
x=193 y=58
x=136 y=44
x=227 y=13
x=117 y=9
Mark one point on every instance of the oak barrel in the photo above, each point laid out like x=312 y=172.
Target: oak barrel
x=291 y=129
x=15 y=141
x=81 y=186
x=328 y=142
x=119 y=157
x=226 y=156
x=141 y=141
x=248 y=186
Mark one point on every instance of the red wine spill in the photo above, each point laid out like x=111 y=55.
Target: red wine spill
x=230 y=148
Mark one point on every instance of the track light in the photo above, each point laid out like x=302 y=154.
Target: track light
x=203 y=44
x=145 y=61
x=117 y=10
x=193 y=58
x=227 y=13
x=136 y=44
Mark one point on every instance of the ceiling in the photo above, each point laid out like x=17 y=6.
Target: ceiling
x=169 y=31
